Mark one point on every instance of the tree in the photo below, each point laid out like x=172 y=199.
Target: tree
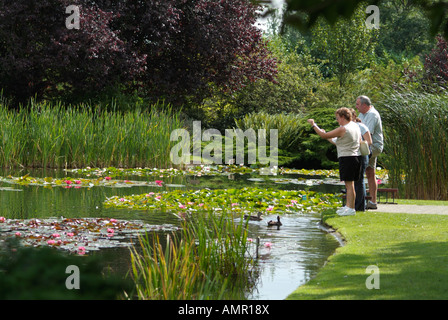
x=191 y=44
x=171 y=49
x=346 y=46
x=39 y=55
x=304 y=14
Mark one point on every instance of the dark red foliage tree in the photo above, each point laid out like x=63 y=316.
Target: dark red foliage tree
x=172 y=48
x=436 y=64
x=39 y=55
x=191 y=44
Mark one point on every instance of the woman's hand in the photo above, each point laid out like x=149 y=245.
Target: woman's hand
x=311 y=122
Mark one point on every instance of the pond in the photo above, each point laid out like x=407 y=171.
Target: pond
x=288 y=256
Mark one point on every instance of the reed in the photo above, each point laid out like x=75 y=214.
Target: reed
x=289 y=130
x=57 y=136
x=208 y=260
x=416 y=144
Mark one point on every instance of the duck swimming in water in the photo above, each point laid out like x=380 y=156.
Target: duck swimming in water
x=254 y=218
x=274 y=223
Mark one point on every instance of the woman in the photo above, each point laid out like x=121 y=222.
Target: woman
x=347 y=144
x=360 y=187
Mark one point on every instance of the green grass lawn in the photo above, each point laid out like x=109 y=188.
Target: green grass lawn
x=410 y=251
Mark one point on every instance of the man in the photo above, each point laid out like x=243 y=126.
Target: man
x=371 y=118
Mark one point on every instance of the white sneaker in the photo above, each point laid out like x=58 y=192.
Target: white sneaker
x=341 y=209
x=347 y=212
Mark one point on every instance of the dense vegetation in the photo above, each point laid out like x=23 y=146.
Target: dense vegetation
x=209 y=62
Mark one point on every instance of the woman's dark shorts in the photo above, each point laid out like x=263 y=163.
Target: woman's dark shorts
x=350 y=168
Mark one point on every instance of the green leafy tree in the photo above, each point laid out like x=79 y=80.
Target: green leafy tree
x=346 y=46
x=404 y=30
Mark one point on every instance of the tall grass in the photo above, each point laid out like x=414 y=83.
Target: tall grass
x=288 y=126
x=416 y=143
x=209 y=260
x=58 y=136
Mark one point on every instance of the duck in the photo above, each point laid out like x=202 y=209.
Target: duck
x=274 y=223
x=254 y=218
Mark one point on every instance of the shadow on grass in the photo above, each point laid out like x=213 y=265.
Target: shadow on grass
x=409 y=270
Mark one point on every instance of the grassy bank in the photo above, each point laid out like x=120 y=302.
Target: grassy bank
x=410 y=252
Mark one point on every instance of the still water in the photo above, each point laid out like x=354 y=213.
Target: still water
x=288 y=256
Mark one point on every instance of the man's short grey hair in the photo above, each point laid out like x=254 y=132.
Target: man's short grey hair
x=364 y=100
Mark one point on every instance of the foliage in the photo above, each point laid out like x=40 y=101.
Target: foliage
x=289 y=131
x=436 y=65
x=345 y=46
x=404 y=30
x=39 y=56
x=228 y=200
x=210 y=260
x=40 y=273
x=297 y=80
x=294 y=90
x=191 y=44
x=416 y=143
x=304 y=14
x=57 y=136
x=173 y=49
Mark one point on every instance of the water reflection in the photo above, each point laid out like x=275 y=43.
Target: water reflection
x=298 y=248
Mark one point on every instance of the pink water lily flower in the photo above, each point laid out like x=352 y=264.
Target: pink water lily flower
x=2 y=219
x=18 y=234
x=51 y=242
x=68 y=182
x=81 y=250
x=78 y=181
x=268 y=244
x=108 y=178
x=55 y=235
x=110 y=230
x=159 y=182
x=182 y=206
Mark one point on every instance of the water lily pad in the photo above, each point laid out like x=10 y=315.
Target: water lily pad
x=71 y=234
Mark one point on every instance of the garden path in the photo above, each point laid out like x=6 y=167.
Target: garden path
x=411 y=208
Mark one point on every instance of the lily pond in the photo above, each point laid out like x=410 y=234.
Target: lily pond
x=98 y=211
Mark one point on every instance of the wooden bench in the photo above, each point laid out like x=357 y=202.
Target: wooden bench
x=388 y=191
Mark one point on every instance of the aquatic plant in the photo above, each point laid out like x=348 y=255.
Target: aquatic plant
x=416 y=143
x=80 y=235
x=68 y=182
x=208 y=261
x=238 y=201
x=58 y=136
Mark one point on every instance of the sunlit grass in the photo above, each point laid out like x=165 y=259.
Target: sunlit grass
x=409 y=251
